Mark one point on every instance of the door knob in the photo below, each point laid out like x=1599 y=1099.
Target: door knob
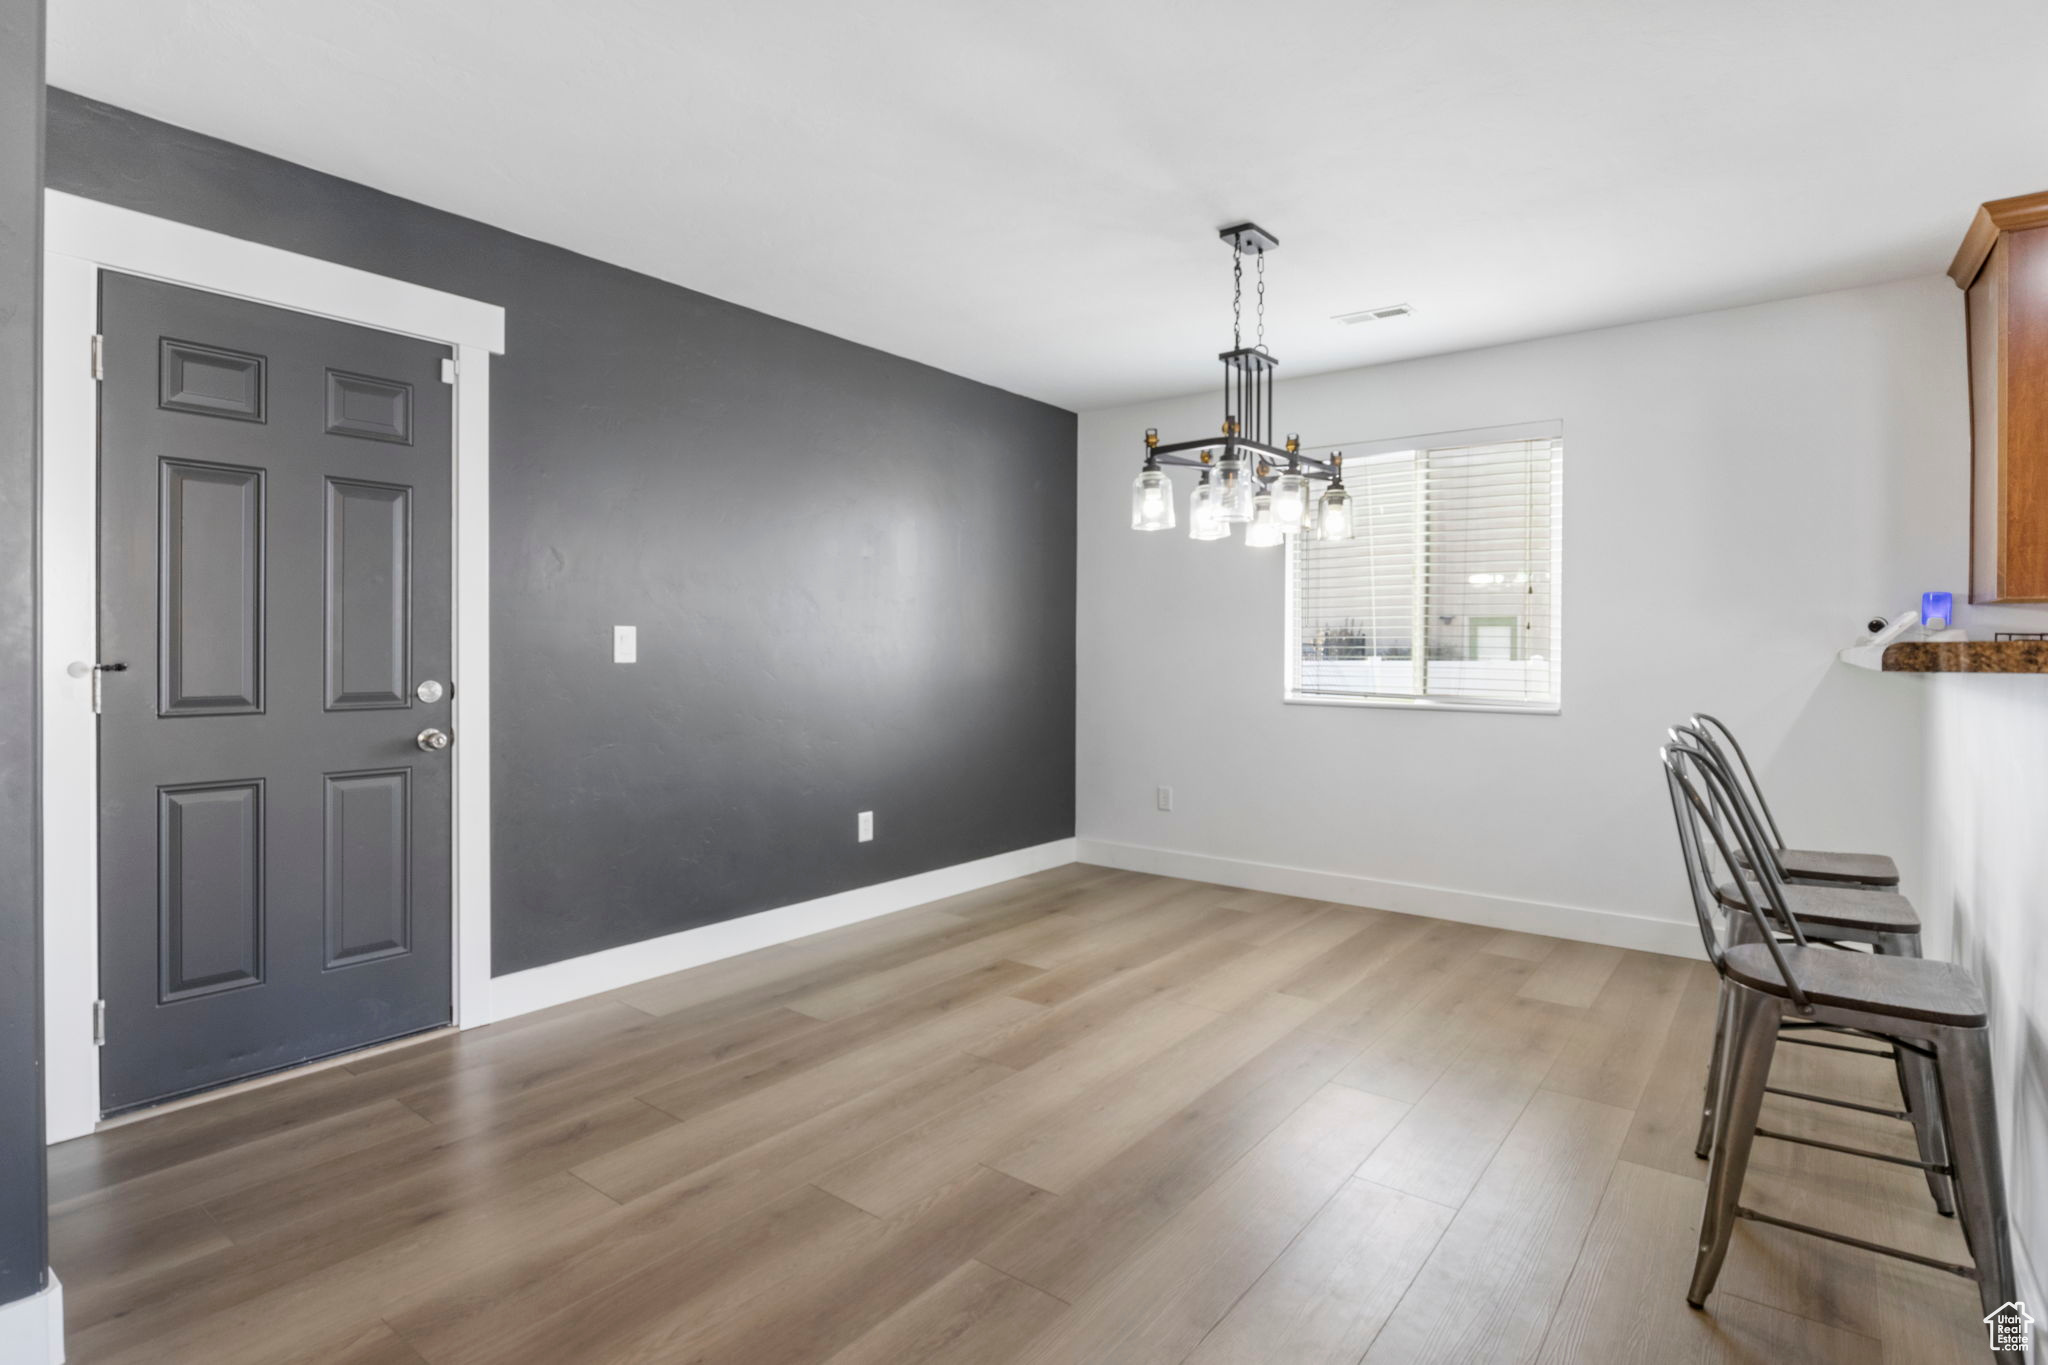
x=431 y=739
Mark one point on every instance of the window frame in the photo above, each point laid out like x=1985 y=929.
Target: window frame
x=1290 y=632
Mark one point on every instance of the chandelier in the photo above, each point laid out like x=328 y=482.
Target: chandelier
x=1272 y=489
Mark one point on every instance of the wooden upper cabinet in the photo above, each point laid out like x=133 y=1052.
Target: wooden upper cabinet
x=2002 y=267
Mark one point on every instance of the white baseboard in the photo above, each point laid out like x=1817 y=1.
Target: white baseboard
x=32 y=1329
x=1672 y=937
x=559 y=982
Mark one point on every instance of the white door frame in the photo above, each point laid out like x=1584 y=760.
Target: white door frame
x=81 y=238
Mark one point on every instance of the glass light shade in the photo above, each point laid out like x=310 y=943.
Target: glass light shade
x=1205 y=513
x=1290 y=501
x=1235 y=485
x=1336 y=513
x=1264 y=532
x=1151 y=501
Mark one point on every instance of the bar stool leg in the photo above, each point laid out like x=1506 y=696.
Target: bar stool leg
x=1917 y=1084
x=1745 y=1071
x=1705 y=1145
x=1922 y=1094
x=1965 y=1083
x=1740 y=930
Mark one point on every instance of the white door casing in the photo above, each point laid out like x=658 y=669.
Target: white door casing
x=81 y=238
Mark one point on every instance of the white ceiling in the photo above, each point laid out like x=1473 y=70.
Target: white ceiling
x=1026 y=193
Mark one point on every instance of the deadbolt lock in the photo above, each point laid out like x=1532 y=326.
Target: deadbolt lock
x=430 y=691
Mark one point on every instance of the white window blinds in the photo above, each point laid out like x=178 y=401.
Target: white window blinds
x=1448 y=590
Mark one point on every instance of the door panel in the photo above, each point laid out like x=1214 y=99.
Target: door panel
x=369 y=594
x=368 y=893
x=275 y=513
x=210 y=577
x=373 y=409
x=208 y=380
x=209 y=889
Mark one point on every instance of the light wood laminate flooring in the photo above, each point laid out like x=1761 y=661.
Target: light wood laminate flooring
x=1085 y=1116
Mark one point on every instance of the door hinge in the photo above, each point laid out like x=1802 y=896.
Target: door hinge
x=448 y=370
x=81 y=669
x=99 y=1023
x=99 y=356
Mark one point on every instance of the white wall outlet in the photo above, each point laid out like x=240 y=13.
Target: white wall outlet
x=1165 y=798
x=864 y=826
x=625 y=644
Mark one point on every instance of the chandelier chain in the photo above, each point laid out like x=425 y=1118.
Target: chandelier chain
x=1236 y=295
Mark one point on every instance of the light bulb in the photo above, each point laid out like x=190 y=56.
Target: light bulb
x=1151 y=500
x=1264 y=532
x=1205 y=512
x=1234 y=480
x=1336 y=513
x=1290 y=501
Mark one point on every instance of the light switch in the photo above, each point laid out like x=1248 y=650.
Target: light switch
x=625 y=644
x=864 y=827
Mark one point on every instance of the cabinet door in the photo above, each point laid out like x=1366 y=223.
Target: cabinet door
x=2008 y=329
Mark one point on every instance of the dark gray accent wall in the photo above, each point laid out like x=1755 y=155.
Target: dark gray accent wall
x=24 y=1258
x=853 y=575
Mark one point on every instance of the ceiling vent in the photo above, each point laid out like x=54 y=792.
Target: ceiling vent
x=1392 y=310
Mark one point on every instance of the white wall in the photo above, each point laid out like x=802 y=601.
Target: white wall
x=1742 y=490
x=1988 y=794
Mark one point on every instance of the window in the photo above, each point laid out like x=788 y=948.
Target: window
x=1447 y=593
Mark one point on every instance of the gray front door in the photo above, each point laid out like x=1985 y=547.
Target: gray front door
x=275 y=578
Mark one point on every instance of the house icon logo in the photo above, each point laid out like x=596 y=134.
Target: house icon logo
x=2010 y=1326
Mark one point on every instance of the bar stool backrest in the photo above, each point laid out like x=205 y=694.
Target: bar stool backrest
x=1703 y=804
x=1766 y=870
x=1717 y=739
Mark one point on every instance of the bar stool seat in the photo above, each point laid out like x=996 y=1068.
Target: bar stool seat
x=1820 y=865
x=1868 y=869
x=1919 y=989
x=1844 y=907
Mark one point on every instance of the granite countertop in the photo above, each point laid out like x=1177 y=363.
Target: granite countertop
x=1967 y=656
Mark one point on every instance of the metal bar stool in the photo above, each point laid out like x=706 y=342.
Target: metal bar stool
x=1880 y=919
x=1793 y=864
x=1933 y=1009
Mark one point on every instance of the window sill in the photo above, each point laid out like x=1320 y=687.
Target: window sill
x=1424 y=704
